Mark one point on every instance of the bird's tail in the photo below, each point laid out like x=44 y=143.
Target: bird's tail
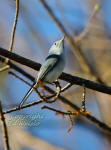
x=27 y=94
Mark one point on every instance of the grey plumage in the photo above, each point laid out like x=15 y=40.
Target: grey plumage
x=51 y=68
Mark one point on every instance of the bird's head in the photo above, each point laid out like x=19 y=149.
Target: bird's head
x=57 y=47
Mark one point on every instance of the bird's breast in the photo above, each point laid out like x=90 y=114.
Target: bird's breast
x=55 y=72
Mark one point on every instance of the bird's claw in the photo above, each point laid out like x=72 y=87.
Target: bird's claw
x=81 y=112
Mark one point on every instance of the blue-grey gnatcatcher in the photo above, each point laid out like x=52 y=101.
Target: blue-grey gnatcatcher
x=51 y=69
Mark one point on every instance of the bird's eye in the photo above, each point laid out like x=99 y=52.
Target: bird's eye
x=55 y=43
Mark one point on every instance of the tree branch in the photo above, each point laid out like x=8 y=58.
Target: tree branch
x=4 y=126
x=12 y=35
x=14 y=26
x=65 y=76
x=24 y=106
x=89 y=25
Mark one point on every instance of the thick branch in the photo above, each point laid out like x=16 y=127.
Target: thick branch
x=66 y=77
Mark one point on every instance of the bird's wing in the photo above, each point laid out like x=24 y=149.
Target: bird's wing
x=50 y=62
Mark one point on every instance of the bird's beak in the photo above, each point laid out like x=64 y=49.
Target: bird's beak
x=62 y=39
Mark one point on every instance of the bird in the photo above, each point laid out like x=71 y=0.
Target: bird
x=51 y=68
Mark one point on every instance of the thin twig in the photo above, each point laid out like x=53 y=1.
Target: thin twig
x=4 y=68
x=24 y=106
x=58 y=111
x=66 y=77
x=88 y=27
x=14 y=26
x=69 y=113
x=18 y=77
x=4 y=127
x=84 y=99
x=71 y=123
x=66 y=87
x=12 y=34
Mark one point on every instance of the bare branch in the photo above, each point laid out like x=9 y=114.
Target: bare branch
x=58 y=111
x=84 y=99
x=14 y=26
x=88 y=27
x=17 y=68
x=24 y=106
x=4 y=127
x=12 y=35
x=16 y=76
x=71 y=123
x=4 y=68
x=66 y=87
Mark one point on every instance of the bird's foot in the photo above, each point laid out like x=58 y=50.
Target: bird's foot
x=81 y=112
x=40 y=83
x=84 y=112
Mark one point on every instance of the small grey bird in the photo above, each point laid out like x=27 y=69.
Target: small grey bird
x=51 y=69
